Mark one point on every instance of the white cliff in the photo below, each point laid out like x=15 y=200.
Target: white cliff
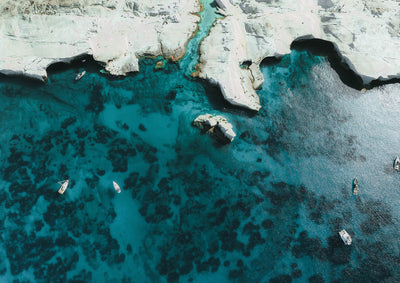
x=216 y=125
x=35 y=34
x=365 y=32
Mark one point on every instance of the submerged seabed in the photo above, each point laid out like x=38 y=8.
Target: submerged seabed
x=266 y=208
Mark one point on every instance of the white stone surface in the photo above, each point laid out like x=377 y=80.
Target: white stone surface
x=213 y=121
x=366 y=33
x=35 y=34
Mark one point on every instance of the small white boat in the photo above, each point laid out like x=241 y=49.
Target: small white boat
x=355 y=187
x=80 y=75
x=64 y=186
x=396 y=163
x=116 y=187
x=345 y=237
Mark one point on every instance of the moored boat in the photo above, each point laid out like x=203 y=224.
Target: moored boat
x=64 y=186
x=345 y=237
x=355 y=186
x=117 y=188
x=80 y=75
x=396 y=163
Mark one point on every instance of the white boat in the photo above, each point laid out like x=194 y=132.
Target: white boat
x=64 y=186
x=116 y=187
x=80 y=75
x=345 y=237
x=396 y=163
x=355 y=187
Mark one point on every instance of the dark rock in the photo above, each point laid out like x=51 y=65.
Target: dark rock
x=317 y=278
x=129 y=248
x=96 y=103
x=308 y=246
x=283 y=278
x=171 y=95
x=142 y=127
x=173 y=276
x=267 y=224
x=235 y=273
x=185 y=268
x=297 y=273
x=68 y=122
x=338 y=253
x=81 y=133
x=164 y=185
x=219 y=203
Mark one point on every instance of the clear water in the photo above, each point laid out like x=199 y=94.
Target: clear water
x=208 y=16
x=266 y=208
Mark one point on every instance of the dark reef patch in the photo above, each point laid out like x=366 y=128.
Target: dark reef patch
x=238 y=211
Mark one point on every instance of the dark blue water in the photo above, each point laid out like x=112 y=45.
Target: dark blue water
x=266 y=208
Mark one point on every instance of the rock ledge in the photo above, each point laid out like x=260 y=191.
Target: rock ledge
x=217 y=126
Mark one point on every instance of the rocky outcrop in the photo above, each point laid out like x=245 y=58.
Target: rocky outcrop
x=365 y=32
x=35 y=34
x=217 y=126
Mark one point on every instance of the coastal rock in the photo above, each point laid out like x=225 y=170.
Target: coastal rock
x=222 y=52
x=35 y=34
x=218 y=126
x=365 y=32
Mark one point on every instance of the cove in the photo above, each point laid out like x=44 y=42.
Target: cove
x=266 y=208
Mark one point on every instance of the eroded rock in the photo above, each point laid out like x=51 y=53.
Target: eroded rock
x=366 y=34
x=217 y=126
x=35 y=34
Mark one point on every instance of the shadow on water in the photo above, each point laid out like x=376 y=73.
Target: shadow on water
x=89 y=64
x=217 y=101
x=270 y=61
x=327 y=49
x=84 y=61
x=21 y=80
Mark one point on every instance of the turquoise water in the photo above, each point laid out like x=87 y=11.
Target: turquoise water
x=207 y=18
x=266 y=208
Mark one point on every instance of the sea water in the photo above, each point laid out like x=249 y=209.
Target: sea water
x=266 y=208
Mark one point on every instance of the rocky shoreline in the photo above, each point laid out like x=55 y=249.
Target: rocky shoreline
x=254 y=30
x=34 y=37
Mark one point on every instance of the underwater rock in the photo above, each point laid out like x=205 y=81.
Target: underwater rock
x=306 y=246
x=283 y=278
x=217 y=126
x=297 y=273
x=160 y=65
x=317 y=278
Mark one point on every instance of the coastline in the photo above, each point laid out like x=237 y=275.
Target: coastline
x=215 y=64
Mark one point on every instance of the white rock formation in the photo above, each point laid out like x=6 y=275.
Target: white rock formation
x=35 y=34
x=366 y=33
x=209 y=123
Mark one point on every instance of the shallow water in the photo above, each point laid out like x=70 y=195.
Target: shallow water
x=266 y=208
